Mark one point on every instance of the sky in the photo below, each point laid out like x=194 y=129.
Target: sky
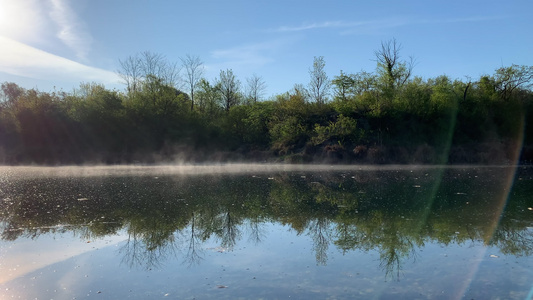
x=57 y=44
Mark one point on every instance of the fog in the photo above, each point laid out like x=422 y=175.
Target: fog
x=201 y=169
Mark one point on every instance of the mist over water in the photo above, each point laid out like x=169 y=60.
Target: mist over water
x=225 y=168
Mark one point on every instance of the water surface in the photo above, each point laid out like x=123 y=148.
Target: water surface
x=266 y=232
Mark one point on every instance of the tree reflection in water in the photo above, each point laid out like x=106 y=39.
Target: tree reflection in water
x=194 y=249
x=172 y=216
x=148 y=251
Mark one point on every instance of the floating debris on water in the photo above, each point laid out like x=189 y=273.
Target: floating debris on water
x=83 y=199
x=494 y=256
x=460 y=193
x=219 y=249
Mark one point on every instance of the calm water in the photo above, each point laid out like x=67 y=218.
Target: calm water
x=266 y=232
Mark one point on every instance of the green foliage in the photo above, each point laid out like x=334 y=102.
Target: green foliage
x=229 y=87
x=286 y=127
x=341 y=131
x=208 y=99
x=508 y=80
x=257 y=120
x=289 y=132
x=158 y=100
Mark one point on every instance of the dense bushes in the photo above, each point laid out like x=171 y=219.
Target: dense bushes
x=368 y=120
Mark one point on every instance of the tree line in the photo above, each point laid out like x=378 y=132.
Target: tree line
x=170 y=112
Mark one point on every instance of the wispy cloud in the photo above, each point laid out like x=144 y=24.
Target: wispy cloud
x=469 y=19
x=350 y=27
x=344 y=27
x=327 y=24
x=249 y=55
x=22 y=60
x=255 y=54
x=71 y=30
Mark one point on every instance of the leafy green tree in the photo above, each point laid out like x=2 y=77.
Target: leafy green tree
x=343 y=85
x=208 y=99
x=229 y=87
x=444 y=97
x=100 y=118
x=9 y=126
x=43 y=128
x=10 y=92
x=510 y=79
x=157 y=111
x=287 y=127
x=414 y=98
x=343 y=130
x=247 y=125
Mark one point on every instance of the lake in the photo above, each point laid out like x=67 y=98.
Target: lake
x=266 y=232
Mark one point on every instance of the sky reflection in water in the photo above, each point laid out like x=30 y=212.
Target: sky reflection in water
x=343 y=233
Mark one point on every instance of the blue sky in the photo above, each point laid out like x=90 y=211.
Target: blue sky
x=60 y=43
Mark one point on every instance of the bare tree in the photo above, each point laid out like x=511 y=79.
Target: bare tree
x=320 y=84
x=131 y=72
x=320 y=232
x=157 y=65
x=257 y=230
x=255 y=88
x=152 y=63
x=171 y=75
x=229 y=231
x=137 y=68
x=194 y=255
x=229 y=89
x=194 y=71
x=395 y=71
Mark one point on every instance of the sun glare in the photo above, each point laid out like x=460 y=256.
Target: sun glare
x=2 y=16
x=19 y=20
x=5 y=20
